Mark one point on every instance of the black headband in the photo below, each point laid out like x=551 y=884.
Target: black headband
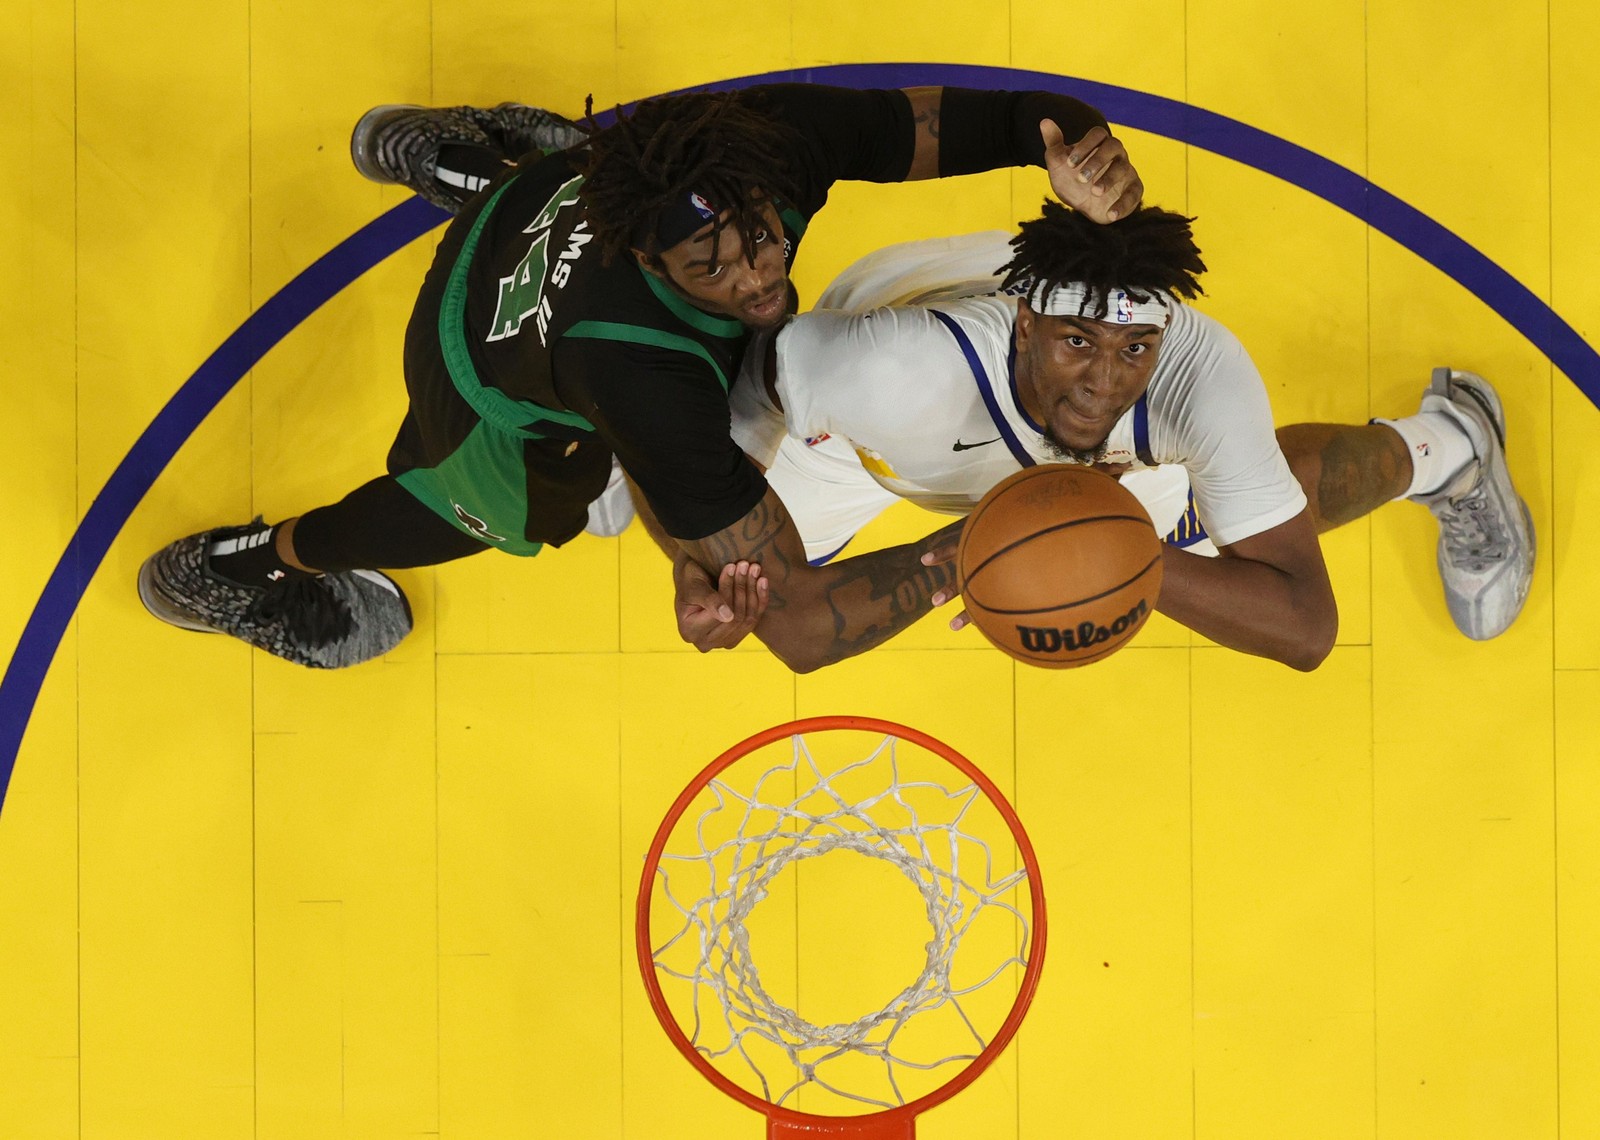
x=678 y=220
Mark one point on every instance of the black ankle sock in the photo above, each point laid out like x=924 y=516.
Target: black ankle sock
x=252 y=560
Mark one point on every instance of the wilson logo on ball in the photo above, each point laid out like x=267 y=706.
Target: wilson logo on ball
x=1060 y=565
x=1048 y=639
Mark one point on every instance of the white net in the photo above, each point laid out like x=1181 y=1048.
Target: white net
x=789 y=859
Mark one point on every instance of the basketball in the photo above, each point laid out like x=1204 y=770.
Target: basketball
x=1060 y=565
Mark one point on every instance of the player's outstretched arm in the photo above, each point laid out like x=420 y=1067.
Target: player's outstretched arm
x=961 y=131
x=1267 y=595
x=818 y=615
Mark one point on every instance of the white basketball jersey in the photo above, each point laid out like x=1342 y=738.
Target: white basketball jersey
x=925 y=394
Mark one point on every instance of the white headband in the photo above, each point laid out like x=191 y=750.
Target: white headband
x=1070 y=301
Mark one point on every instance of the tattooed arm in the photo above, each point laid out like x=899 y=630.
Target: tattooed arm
x=818 y=615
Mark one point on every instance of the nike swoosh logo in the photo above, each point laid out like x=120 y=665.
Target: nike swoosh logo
x=959 y=446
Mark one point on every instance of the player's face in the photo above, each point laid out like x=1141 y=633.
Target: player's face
x=728 y=284
x=1077 y=377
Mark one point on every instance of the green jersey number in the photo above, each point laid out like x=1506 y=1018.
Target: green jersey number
x=521 y=294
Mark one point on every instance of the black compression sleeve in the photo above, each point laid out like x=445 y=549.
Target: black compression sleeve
x=985 y=130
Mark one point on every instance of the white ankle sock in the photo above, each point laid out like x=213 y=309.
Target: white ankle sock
x=1439 y=445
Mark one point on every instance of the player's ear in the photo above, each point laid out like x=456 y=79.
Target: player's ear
x=649 y=263
x=1025 y=317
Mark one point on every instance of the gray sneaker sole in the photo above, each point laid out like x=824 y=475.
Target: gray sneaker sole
x=151 y=597
x=362 y=152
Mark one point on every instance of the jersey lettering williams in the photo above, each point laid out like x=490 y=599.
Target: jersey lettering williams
x=523 y=294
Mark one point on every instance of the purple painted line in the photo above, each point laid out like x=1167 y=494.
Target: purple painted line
x=160 y=441
x=149 y=456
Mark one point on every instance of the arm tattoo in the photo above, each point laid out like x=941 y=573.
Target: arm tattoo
x=929 y=121
x=874 y=597
x=864 y=600
x=753 y=538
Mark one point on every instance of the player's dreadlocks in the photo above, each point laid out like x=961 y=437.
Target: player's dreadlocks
x=717 y=146
x=1151 y=249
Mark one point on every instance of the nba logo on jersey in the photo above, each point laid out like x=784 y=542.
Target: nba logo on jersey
x=702 y=207
x=1124 y=308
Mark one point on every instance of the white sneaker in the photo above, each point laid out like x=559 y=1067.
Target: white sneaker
x=1486 y=539
x=610 y=514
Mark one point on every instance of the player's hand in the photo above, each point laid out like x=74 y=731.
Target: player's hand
x=945 y=551
x=720 y=614
x=1093 y=175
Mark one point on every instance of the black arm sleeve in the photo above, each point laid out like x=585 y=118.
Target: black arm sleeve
x=841 y=134
x=986 y=130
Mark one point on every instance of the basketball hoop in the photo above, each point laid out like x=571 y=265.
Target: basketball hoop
x=840 y=787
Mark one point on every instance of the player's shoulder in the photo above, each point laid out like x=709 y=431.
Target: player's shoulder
x=1200 y=356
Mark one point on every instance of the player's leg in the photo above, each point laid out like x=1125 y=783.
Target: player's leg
x=447 y=154
x=1450 y=457
x=307 y=589
x=1347 y=471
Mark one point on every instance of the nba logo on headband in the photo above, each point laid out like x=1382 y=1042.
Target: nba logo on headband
x=1124 y=308
x=702 y=207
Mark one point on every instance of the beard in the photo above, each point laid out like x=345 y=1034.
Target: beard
x=1087 y=457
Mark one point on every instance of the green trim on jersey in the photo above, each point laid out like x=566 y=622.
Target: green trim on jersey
x=687 y=313
x=487 y=471
x=636 y=334
x=510 y=415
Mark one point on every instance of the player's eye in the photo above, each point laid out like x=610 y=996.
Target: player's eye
x=761 y=236
x=1137 y=349
x=1077 y=341
x=712 y=272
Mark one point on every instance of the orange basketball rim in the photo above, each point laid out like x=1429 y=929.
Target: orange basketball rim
x=882 y=806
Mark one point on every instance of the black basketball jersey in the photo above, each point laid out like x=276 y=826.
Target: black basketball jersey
x=577 y=349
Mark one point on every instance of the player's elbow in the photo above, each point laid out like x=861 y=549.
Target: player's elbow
x=790 y=643
x=799 y=657
x=1314 y=640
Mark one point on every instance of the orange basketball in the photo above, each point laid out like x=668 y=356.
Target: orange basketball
x=1060 y=565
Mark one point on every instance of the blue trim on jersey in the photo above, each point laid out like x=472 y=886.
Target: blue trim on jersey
x=986 y=389
x=1016 y=396
x=1141 y=435
x=824 y=559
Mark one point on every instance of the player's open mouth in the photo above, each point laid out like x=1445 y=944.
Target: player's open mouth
x=768 y=307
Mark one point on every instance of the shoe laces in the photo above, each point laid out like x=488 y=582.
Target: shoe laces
x=1471 y=529
x=309 y=610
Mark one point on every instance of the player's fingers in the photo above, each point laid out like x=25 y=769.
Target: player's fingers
x=1128 y=200
x=942 y=552
x=960 y=621
x=1107 y=166
x=749 y=597
x=1077 y=153
x=720 y=601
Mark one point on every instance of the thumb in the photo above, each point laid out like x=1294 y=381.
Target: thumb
x=1051 y=134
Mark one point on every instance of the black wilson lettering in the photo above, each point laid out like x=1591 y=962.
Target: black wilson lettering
x=1046 y=639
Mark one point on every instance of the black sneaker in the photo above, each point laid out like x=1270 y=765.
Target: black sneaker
x=324 y=622
x=399 y=143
